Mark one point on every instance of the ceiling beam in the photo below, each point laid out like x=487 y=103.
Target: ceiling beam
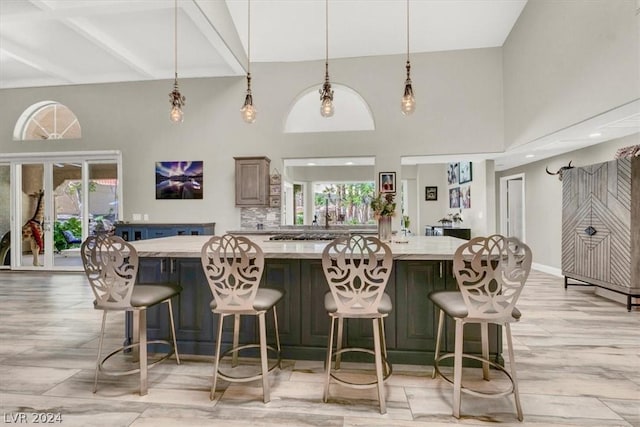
x=214 y=20
x=84 y=9
x=24 y=56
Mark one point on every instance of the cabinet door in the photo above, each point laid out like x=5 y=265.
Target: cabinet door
x=315 y=320
x=284 y=275
x=417 y=317
x=252 y=181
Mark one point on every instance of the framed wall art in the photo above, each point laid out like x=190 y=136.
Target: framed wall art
x=454 y=197
x=465 y=197
x=431 y=193
x=465 y=172
x=452 y=173
x=179 y=180
x=387 y=182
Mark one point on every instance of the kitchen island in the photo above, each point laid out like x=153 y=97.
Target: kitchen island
x=421 y=265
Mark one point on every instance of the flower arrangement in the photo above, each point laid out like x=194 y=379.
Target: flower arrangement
x=455 y=218
x=383 y=205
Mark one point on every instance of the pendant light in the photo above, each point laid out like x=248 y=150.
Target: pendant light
x=326 y=93
x=176 y=98
x=248 y=111
x=408 y=104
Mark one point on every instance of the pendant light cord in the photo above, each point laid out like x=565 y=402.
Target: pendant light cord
x=407 y=30
x=326 y=38
x=175 y=38
x=249 y=37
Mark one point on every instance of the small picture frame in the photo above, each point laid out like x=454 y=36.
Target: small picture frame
x=454 y=197
x=453 y=170
x=387 y=182
x=465 y=172
x=274 y=189
x=274 y=201
x=275 y=178
x=430 y=193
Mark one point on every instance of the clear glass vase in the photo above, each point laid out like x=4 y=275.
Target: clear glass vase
x=384 y=228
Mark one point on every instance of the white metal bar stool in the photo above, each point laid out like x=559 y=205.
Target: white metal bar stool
x=111 y=265
x=233 y=267
x=491 y=272
x=357 y=269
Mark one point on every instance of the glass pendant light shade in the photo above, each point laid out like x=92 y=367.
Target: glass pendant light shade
x=326 y=108
x=176 y=115
x=408 y=104
x=248 y=111
x=177 y=102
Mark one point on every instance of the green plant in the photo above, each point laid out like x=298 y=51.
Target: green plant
x=383 y=205
x=72 y=224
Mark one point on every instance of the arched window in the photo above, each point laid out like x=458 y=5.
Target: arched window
x=351 y=112
x=47 y=120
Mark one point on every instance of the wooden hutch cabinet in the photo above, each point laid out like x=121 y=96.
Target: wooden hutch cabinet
x=601 y=226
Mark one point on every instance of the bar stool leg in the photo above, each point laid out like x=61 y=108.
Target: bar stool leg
x=484 y=334
x=266 y=397
x=327 y=366
x=384 y=345
x=173 y=332
x=439 y=335
x=236 y=333
x=275 y=324
x=95 y=381
x=142 y=321
x=339 y=342
x=457 y=368
x=378 y=359
x=216 y=357
x=512 y=365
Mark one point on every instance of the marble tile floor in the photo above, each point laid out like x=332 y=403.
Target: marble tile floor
x=577 y=354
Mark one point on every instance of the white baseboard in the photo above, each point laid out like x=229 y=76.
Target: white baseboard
x=547 y=269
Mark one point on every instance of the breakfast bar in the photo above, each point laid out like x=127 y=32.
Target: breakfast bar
x=421 y=264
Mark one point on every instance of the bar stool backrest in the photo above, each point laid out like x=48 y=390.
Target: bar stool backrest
x=111 y=265
x=491 y=272
x=357 y=269
x=233 y=267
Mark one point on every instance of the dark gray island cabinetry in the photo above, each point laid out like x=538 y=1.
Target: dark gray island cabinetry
x=304 y=324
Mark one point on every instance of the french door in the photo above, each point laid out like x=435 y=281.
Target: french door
x=56 y=202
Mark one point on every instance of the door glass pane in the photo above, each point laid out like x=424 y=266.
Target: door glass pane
x=67 y=212
x=32 y=203
x=103 y=197
x=5 y=236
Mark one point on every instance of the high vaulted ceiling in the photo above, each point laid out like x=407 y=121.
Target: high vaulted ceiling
x=60 y=42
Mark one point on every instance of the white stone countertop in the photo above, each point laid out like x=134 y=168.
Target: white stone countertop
x=415 y=248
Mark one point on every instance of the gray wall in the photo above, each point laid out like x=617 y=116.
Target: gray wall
x=566 y=61
x=543 y=196
x=459 y=104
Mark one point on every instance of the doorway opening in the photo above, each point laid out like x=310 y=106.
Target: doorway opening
x=512 y=206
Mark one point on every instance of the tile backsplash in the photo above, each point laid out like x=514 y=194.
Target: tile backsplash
x=251 y=217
